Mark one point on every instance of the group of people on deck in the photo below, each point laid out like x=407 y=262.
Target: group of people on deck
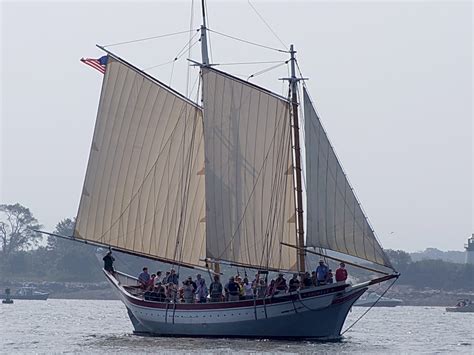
x=166 y=288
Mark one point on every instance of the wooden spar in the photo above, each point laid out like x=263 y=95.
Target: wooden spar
x=261 y=269
x=297 y=168
x=125 y=251
x=336 y=259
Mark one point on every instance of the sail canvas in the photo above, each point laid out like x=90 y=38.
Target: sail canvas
x=249 y=186
x=143 y=191
x=335 y=219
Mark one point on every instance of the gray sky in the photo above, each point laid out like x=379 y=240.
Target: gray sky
x=392 y=82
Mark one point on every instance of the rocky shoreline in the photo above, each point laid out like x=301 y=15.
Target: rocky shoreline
x=410 y=295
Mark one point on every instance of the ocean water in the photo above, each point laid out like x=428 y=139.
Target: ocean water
x=93 y=327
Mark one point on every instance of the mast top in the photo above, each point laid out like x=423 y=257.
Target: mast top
x=293 y=79
x=204 y=51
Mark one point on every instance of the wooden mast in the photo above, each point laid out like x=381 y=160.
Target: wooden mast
x=205 y=63
x=297 y=169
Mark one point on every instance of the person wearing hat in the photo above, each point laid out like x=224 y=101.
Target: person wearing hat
x=322 y=272
x=341 y=273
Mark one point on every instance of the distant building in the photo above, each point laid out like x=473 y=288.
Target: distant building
x=470 y=250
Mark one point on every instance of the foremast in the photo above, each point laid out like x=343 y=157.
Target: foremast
x=297 y=160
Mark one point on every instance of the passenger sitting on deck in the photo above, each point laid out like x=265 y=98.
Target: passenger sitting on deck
x=306 y=281
x=173 y=277
x=330 y=278
x=248 y=290
x=201 y=289
x=341 y=273
x=270 y=289
x=313 y=278
x=294 y=283
x=261 y=289
x=321 y=273
x=238 y=280
x=232 y=290
x=280 y=285
x=215 y=290
x=151 y=283
x=158 y=277
x=256 y=281
x=171 y=292
x=160 y=292
x=109 y=262
x=144 y=278
x=188 y=292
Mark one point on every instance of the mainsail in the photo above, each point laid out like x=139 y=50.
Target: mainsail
x=144 y=187
x=250 y=202
x=335 y=220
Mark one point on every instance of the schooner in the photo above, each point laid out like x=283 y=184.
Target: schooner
x=201 y=185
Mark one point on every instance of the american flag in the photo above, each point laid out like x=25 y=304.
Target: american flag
x=98 y=64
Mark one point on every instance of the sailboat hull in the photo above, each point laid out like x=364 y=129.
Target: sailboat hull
x=319 y=313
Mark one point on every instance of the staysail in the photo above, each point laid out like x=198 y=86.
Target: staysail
x=335 y=220
x=144 y=186
x=250 y=202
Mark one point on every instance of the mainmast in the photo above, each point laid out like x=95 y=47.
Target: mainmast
x=204 y=52
x=298 y=181
x=205 y=63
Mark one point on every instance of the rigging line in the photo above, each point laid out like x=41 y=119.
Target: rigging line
x=249 y=42
x=282 y=183
x=188 y=160
x=263 y=71
x=172 y=71
x=250 y=196
x=149 y=38
x=246 y=63
x=178 y=56
x=209 y=36
x=265 y=22
x=162 y=150
x=378 y=299
x=191 y=24
x=267 y=232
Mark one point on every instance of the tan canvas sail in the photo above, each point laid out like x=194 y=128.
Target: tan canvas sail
x=335 y=219
x=143 y=191
x=249 y=183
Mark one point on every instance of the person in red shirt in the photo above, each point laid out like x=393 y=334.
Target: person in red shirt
x=341 y=273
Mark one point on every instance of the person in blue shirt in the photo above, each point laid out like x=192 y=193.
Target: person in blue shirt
x=322 y=272
x=144 y=278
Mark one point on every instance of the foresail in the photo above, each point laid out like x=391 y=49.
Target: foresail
x=335 y=219
x=144 y=190
x=250 y=202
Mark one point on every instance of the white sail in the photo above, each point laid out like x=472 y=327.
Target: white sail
x=144 y=190
x=335 y=219
x=250 y=202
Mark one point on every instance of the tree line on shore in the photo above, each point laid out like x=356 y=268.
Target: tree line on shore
x=26 y=255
